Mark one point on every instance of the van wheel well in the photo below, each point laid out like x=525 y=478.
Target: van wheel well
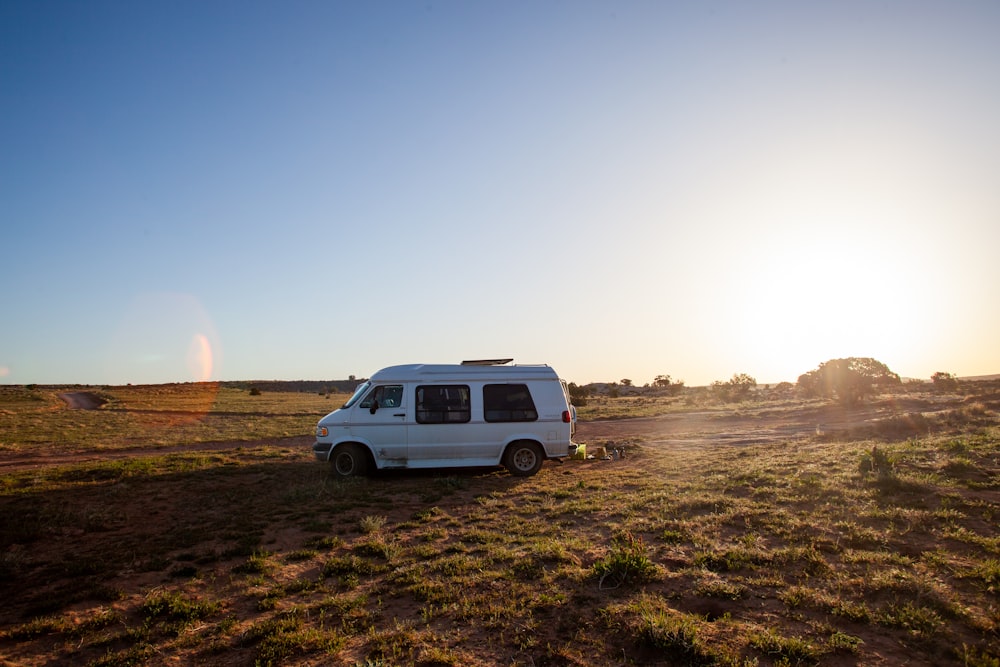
x=350 y=459
x=523 y=458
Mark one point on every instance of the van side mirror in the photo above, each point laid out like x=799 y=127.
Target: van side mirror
x=374 y=407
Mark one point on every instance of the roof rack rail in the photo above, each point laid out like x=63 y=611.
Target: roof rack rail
x=486 y=362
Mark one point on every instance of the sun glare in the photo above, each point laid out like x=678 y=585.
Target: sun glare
x=835 y=285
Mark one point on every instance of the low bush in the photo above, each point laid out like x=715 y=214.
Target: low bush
x=628 y=562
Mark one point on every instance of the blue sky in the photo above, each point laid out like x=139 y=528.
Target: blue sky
x=310 y=190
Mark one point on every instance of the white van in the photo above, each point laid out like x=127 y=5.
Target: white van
x=478 y=413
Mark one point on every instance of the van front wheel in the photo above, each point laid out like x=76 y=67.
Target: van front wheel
x=524 y=458
x=349 y=460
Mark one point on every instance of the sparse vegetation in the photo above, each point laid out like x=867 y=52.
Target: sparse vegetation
x=150 y=417
x=875 y=542
x=627 y=563
x=737 y=388
x=944 y=381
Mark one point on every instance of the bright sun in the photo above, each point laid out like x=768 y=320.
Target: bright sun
x=827 y=286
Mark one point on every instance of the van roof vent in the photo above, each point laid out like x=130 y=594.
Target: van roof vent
x=486 y=362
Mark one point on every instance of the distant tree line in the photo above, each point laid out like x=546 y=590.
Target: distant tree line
x=848 y=381
x=310 y=386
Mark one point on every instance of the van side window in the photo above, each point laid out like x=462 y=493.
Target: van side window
x=443 y=404
x=508 y=403
x=388 y=396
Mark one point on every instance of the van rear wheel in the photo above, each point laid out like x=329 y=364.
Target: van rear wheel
x=524 y=458
x=349 y=460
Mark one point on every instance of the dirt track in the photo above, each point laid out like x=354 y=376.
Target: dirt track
x=728 y=427
x=82 y=400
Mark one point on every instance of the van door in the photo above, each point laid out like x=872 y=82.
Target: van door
x=441 y=429
x=380 y=419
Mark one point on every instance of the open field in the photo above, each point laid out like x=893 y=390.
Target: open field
x=190 y=525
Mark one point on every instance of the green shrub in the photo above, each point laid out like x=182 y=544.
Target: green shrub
x=877 y=462
x=627 y=562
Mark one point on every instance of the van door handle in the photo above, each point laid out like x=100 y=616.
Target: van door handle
x=399 y=414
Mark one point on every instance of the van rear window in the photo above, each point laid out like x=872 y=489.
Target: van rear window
x=443 y=404
x=508 y=403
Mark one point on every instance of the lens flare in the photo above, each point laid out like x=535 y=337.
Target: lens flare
x=167 y=341
x=199 y=358
x=164 y=337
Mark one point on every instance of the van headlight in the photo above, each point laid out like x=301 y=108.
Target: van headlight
x=322 y=431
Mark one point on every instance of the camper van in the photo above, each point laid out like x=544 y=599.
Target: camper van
x=479 y=413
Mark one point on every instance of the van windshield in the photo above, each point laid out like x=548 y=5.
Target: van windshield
x=358 y=393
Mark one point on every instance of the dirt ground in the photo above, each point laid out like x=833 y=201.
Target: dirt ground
x=697 y=430
x=82 y=400
x=725 y=426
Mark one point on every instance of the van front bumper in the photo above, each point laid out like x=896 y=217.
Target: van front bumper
x=321 y=450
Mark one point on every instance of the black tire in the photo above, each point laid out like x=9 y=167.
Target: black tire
x=524 y=458
x=349 y=460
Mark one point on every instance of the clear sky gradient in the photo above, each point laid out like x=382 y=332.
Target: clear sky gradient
x=309 y=190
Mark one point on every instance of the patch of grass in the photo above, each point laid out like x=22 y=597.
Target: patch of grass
x=785 y=650
x=844 y=643
x=676 y=637
x=372 y=523
x=627 y=562
x=731 y=560
x=816 y=598
x=173 y=611
x=301 y=555
x=809 y=559
x=719 y=588
x=427 y=514
x=853 y=534
x=454 y=565
x=325 y=542
x=379 y=546
x=283 y=637
x=350 y=565
x=37 y=627
x=259 y=562
x=348 y=612
x=988 y=572
x=919 y=620
x=399 y=644
x=138 y=654
x=971 y=656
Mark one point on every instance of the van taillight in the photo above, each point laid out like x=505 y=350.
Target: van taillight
x=566 y=417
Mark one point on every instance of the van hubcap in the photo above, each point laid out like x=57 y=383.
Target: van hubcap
x=345 y=464
x=524 y=459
